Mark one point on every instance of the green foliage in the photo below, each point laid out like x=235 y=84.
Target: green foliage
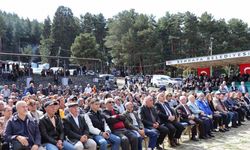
x=85 y=46
x=2 y=26
x=46 y=28
x=2 y=30
x=133 y=40
x=18 y=33
x=127 y=40
x=96 y=25
x=64 y=31
x=26 y=50
x=46 y=42
x=45 y=49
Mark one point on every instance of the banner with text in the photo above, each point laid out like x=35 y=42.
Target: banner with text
x=209 y=58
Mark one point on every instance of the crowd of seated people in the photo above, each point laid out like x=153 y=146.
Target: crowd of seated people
x=55 y=118
x=214 y=82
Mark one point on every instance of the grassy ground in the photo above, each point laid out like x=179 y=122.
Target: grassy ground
x=235 y=139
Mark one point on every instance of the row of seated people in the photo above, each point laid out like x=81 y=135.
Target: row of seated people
x=107 y=126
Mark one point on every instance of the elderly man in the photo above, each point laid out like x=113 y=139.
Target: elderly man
x=187 y=116
x=22 y=130
x=77 y=130
x=135 y=123
x=117 y=123
x=169 y=119
x=51 y=129
x=220 y=107
x=99 y=128
x=205 y=123
x=151 y=120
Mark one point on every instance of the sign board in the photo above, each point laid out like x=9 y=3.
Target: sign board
x=209 y=58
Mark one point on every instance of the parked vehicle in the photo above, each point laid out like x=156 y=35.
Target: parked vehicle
x=162 y=80
x=90 y=72
x=179 y=81
x=109 y=77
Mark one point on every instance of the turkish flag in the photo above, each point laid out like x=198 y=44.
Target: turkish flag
x=244 y=69
x=203 y=71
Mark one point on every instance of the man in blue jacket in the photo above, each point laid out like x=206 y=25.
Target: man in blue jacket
x=22 y=130
x=215 y=116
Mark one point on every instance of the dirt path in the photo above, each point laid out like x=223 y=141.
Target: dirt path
x=235 y=139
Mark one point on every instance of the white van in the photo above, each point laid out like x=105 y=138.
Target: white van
x=162 y=80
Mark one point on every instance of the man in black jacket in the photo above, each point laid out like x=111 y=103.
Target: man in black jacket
x=186 y=115
x=151 y=120
x=99 y=128
x=51 y=129
x=168 y=118
x=77 y=130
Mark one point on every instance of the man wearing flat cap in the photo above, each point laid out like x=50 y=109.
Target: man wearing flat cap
x=71 y=99
x=51 y=129
x=77 y=130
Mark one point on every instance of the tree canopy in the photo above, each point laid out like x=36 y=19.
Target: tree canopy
x=127 y=40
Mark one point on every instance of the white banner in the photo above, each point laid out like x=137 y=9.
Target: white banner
x=209 y=58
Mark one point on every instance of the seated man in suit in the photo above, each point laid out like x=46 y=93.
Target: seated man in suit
x=168 y=118
x=134 y=122
x=233 y=87
x=117 y=123
x=186 y=116
x=99 y=128
x=232 y=106
x=151 y=120
x=77 y=130
x=51 y=129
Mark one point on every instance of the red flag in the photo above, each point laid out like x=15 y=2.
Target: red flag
x=203 y=71
x=244 y=69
